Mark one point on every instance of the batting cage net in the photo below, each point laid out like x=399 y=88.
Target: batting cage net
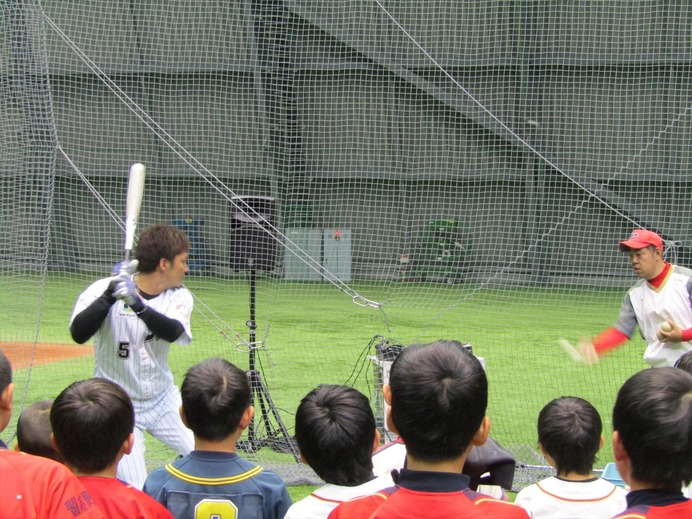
x=354 y=175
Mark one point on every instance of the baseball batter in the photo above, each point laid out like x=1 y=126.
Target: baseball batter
x=662 y=295
x=134 y=318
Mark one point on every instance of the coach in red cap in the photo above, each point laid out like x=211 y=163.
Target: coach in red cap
x=660 y=304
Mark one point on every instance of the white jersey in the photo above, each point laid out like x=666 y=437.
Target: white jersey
x=648 y=308
x=126 y=352
x=322 y=501
x=389 y=457
x=554 y=498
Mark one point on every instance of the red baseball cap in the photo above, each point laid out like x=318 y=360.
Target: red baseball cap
x=641 y=238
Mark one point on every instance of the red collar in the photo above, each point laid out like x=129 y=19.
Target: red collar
x=658 y=280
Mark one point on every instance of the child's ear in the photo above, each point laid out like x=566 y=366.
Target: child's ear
x=547 y=456
x=543 y=451
x=376 y=442
x=129 y=444
x=247 y=417
x=182 y=417
x=16 y=447
x=387 y=393
x=619 y=452
x=54 y=443
x=483 y=432
x=622 y=459
x=6 y=397
x=601 y=443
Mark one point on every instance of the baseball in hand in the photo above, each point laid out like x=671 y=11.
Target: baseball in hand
x=665 y=327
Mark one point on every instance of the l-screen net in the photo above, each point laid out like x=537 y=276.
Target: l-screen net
x=403 y=171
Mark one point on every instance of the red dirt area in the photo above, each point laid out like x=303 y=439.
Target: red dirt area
x=24 y=354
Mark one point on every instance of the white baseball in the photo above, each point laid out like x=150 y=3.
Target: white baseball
x=664 y=328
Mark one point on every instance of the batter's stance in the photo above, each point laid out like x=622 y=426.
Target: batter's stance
x=134 y=317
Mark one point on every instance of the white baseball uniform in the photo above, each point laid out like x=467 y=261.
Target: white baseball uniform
x=649 y=307
x=555 y=498
x=127 y=353
x=326 y=498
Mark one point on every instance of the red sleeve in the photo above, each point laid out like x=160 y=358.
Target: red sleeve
x=609 y=340
x=39 y=487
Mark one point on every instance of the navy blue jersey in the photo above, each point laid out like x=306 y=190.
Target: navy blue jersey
x=218 y=484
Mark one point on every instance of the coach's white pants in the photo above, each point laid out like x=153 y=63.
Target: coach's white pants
x=161 y=418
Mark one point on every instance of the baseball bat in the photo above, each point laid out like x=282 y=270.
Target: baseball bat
x=135 y=191
x=570 y=350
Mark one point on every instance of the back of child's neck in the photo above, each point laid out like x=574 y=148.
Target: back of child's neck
x=575 y=476
x=108 y=472
x=453 y=465
x=227 y=445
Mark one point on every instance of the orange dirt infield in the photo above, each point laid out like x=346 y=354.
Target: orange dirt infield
x=23 y=354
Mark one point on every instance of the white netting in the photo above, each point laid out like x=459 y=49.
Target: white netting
x=426 y=169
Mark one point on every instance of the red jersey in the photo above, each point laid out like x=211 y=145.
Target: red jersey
x=656 y=504
x=39 y=487
x=120 y=500
x=431 y=495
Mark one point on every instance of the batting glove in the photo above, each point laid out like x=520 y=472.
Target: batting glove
x=126 y=291
x=125 y=269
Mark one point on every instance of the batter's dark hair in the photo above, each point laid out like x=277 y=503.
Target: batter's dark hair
x=159 y=241
x=5 y=372
x=570 y=429
x=335 y=431
x=215 y=395
x=439 y=397
x=91 y=419
x=653 y=417
x=34 y=430
x=685 y=362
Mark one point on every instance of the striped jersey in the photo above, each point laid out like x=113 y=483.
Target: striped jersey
x=126 y=352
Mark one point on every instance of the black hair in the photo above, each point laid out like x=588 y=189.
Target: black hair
x=439 y=397
x=158 y=242
x=335 y=431
x=653 y=417
x=5 y=372
x=34 y=430
x=570 y=430
x=685 y=362
x=215 y=395
x=91 y=419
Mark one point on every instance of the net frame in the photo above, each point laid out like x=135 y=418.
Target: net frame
x=353 y=112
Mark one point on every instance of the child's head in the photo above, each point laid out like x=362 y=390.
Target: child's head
x=5 y=372
x=34 y=430
x=685 y=362
x=6 y=391
x=438 y=394
x=652 y=420
x=92 y=420
x=336 y=434
x=570 y=432
x=216 y=395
